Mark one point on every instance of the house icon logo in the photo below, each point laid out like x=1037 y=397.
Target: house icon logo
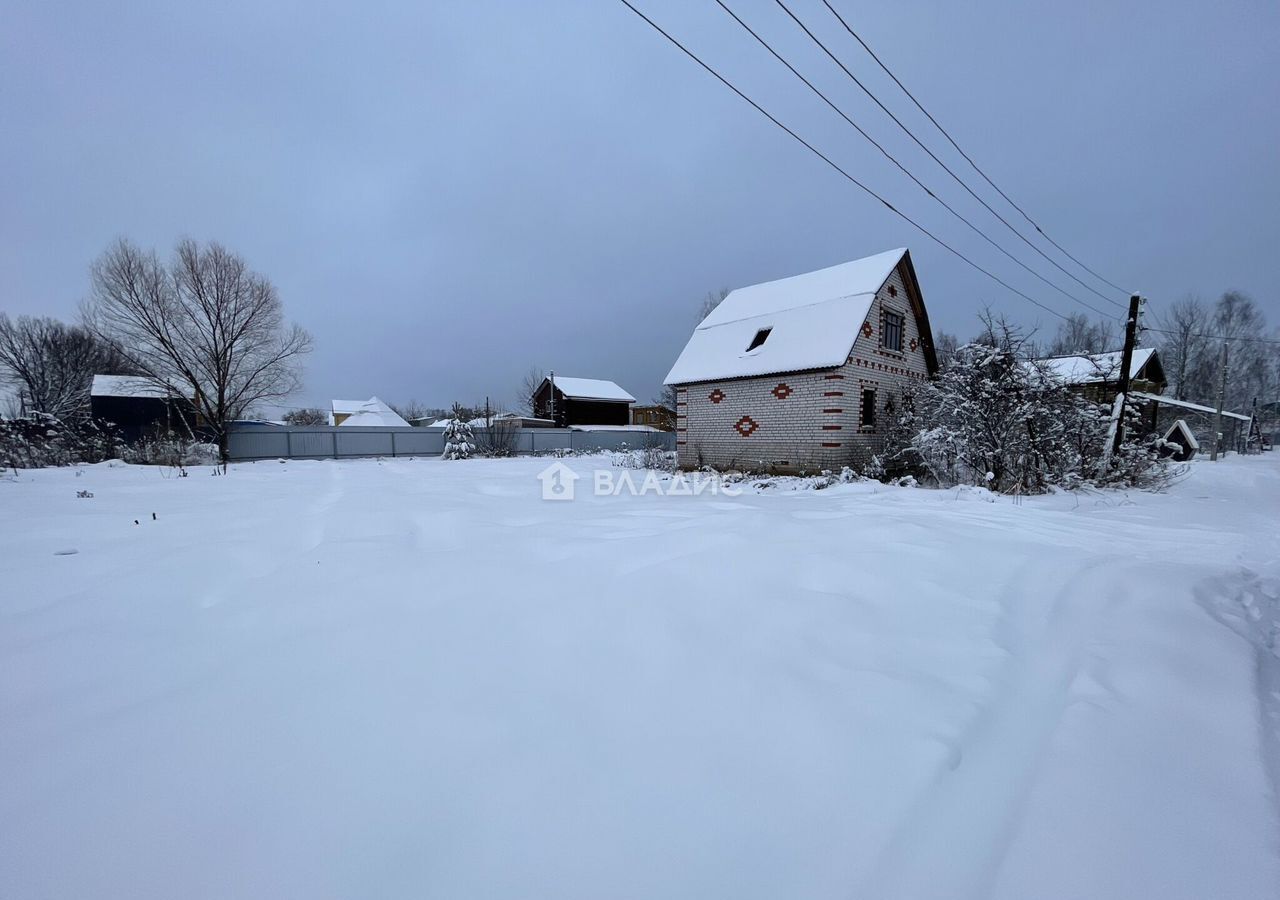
x=557 y=481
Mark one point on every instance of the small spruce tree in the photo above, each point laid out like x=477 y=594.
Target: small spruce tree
x=459 y=443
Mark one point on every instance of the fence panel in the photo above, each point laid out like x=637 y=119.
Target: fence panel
x=310 y=444
x=248 y=441
x=360 y=441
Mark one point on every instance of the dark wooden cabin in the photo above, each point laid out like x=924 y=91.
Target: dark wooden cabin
x=582 y=401
x=136 y=406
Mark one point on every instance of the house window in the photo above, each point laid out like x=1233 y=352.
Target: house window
x=891 y=333
x=868 y=419
x=761 y=336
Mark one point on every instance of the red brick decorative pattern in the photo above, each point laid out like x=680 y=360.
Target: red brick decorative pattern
x=782 y=391
x=746 y=426
x=866 y=329
x=716 y=396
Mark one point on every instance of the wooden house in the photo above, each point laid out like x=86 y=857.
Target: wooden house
x=136 y=406
x=654 y=415
x=1096 y=377
x=582 y=401
x=804 y=373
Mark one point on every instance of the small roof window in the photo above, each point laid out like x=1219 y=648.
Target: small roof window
x=761 y=336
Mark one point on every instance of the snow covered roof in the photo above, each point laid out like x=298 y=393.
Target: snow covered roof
x=1188 y=437
x=1183 y=404
x=477 y=422
x=812 y=321
x=1087 y=368
x=131 y=386
x=613 y=428
x=591 y=389
x=367 y=412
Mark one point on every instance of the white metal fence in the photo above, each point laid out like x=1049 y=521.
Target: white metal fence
x=248 y=441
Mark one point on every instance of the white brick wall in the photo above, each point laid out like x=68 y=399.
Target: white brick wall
x=804 y=421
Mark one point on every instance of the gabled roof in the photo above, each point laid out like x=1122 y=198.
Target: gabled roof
x=1097 y=367
x=813 y=321
x=591 y=389
x=131 y=386
x=367 y=412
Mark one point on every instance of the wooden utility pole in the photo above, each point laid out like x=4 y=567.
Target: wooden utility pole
x=1115 y=434
x=552 y=378
x=1222 y=396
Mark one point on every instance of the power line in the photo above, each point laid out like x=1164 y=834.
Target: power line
x=935 y=158
x=900 y=166
x=959 y=150
x=818 y=153
x=1215 y=337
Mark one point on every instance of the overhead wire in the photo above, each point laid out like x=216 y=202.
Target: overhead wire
x=1034 y=224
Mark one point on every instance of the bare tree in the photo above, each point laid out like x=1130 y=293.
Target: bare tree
x=1183 y=347
x=1002 y=334
x=206 y=323
x=307 y=416
x=945 y=346
x=666 y=397
x=1078 y=335
x=52 y=364
x=711 y=301
x=410 y=411
x=529 y=385
x=1236 y=316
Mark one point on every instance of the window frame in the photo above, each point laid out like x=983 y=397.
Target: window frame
x=864 y=407
x=758 y=341
x=901 y=330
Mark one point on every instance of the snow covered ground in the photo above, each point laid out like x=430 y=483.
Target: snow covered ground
x=412 y=678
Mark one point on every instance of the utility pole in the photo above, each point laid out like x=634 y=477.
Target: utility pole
x=1222 y=396
x=1115 y=434
x=552 y=378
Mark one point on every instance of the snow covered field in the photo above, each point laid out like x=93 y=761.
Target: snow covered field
x=412 y=678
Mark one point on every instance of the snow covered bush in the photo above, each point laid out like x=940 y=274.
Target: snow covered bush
x=170 y=448
x=459 y=443
x=1000 y=421
x=39 y=440
x=654 y=459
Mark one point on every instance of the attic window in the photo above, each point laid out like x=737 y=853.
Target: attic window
x=891 y=332
x=761 y=336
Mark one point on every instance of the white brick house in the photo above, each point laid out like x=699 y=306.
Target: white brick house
x=805 y=373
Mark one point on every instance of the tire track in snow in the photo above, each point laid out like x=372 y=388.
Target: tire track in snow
x=953 y=840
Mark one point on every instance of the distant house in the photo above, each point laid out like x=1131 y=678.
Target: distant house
x=364 y=413
x=582 y=401
x=137 y=405
x=655 y=415
x=1097 y=375
x=1190 y=425
x=806 y=372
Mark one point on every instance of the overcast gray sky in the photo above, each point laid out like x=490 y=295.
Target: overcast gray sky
x=448 y=193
